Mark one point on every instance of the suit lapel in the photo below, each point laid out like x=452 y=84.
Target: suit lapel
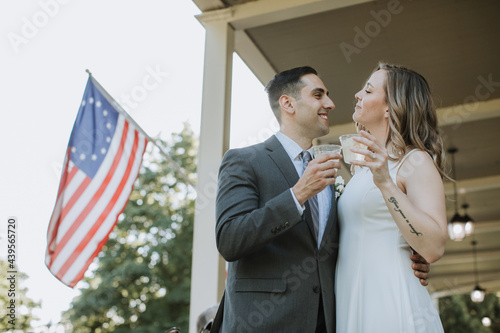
x=282 y=160
x=280 y=157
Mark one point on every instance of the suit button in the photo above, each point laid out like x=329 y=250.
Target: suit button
x=273 y=230
x=316 y=289
x=287 y=224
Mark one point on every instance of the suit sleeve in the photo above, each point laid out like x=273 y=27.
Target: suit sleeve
x=244 y=223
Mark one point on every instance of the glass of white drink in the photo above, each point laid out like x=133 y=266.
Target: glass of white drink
x=326 y=149
x=348 y=142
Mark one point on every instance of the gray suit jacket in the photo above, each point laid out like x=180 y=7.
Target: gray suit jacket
x=276 y=272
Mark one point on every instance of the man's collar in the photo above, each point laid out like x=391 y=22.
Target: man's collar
x=291 y=147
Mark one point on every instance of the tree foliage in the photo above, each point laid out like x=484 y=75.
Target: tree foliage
x=17 y=316
x=141 y=282
x=460 y=315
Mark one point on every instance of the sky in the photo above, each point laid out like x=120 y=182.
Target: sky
x=45 y=47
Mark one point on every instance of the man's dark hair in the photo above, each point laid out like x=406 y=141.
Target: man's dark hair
x=286 y=83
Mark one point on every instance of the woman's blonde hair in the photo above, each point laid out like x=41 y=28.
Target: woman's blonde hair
x=412 y=115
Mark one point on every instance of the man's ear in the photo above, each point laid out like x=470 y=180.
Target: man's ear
x=286 y=104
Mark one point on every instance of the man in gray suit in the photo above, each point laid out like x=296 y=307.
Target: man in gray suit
x=277 y=218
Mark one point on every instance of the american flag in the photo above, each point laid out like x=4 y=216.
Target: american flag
x=101 y=165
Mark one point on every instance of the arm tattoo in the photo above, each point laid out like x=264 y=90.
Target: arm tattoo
x=397 y=209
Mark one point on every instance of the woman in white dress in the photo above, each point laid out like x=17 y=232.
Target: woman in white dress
x=394 y=204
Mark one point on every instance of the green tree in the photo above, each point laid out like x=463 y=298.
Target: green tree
x=141 y=282
x=15 y=316
x=460 y=315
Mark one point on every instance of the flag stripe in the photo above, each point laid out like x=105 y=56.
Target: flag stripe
x=64 y=177
x=69 y=216
x=72 y=174
x=95 y=198
x=88 y=236
x=54 y=223
x=74 y=198
x=75 y=178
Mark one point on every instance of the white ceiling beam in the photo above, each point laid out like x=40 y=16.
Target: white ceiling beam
x=486 y=275
x=258 y=13
x=487 y=227
x=457 y=258
x=462 y=286
x=474 y=185
x=458 y=114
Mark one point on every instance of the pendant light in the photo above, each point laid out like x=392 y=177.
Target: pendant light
x=478 y=293
x=456 y=226
x=469 y=222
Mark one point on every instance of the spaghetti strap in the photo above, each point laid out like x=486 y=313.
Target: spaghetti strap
x=400 y=163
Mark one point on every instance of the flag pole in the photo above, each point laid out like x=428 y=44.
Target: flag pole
x=120 y=109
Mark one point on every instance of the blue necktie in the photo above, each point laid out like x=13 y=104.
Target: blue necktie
x=313 y=201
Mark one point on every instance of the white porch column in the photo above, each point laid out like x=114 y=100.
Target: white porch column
x=208 y=267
